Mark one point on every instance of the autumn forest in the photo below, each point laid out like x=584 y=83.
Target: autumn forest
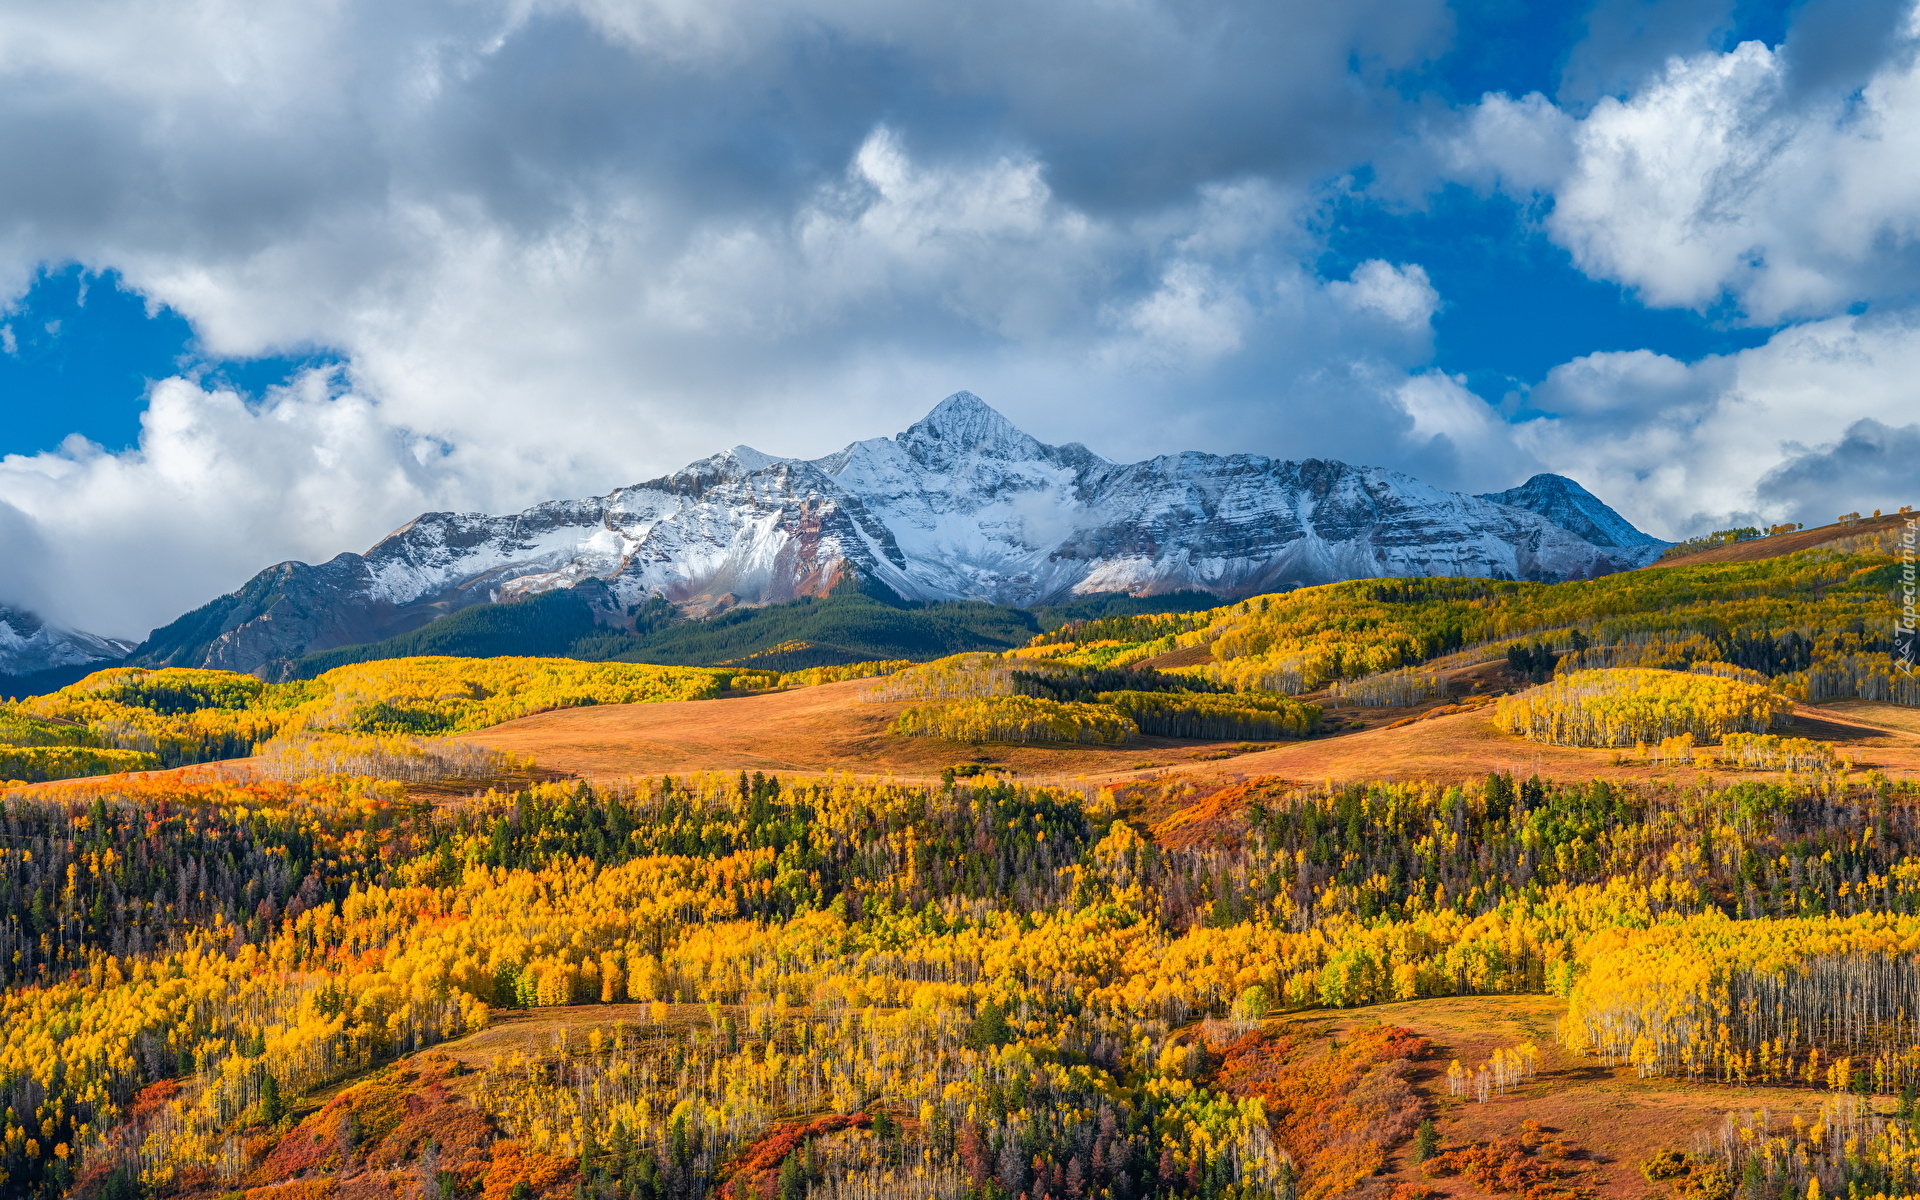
x=314 y=939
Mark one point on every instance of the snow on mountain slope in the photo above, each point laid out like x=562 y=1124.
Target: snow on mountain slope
x=30 y=646
x=960 y=506
x=1577 y=510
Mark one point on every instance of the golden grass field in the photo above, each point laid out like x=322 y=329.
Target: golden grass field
x=832 y=728
x=1615 y=1118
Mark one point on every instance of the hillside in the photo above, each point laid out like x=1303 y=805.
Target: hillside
x=847 y=626
x=1597 y=1124
x=1593 y=1126
x=1756 y=549
x=1559 y=869
x=1366 y=654
x=1801 y=619
x=833 y=727
x=840 y=978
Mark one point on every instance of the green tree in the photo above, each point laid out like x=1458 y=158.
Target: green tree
x=793 y=1179
x=123 y=1184
x=989 y=1028
x=1426 y=1140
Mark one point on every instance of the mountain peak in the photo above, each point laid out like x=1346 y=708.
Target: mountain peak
x=963 y=423
x=964 y=405
x=1570 y=506
x=961 y=506
x=755 y=460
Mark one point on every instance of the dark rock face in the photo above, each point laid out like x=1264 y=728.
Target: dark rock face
x=1575 y=509
x=289 y=604
x=960 y=506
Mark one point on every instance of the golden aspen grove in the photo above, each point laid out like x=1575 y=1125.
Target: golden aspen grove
x=320 y=940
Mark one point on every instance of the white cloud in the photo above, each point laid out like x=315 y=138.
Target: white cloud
x=1194 y=315
x=1723 y=180
x=1681 y=448
x=110 y=540
x=1774 y=185
x=1516 y=146
x=1629 y=389
x=1402 y=295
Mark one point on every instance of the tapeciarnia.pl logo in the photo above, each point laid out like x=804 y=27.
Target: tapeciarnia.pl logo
x=1906 y=647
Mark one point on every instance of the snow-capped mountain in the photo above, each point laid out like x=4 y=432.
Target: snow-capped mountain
x=29 y=647
x=1576 y=510
x=960 y=506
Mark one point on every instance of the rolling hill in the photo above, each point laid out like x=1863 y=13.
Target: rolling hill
x=540 y=928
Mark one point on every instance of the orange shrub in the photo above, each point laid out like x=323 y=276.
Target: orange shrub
x=1339 y=1113
x=544 y=1174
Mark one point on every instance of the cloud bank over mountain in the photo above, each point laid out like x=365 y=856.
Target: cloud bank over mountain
x=563 y=247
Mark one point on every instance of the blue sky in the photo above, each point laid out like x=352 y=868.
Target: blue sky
x=293 y=276
x=81 y=349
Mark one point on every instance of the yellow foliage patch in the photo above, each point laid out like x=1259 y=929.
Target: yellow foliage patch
x=1018 y=719
x=1626 y=707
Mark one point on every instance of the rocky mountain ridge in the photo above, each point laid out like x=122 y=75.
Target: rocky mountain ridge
x=962 y=505
x=34 y=654
x=1576 y=510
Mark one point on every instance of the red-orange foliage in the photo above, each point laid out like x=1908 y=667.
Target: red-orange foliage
x=462 y=1135
x=152 y=1099
x=1506 y=1166
x=756 y=1170
x=381 y=1185
x=1338 y=1113
x=395 y=1115
x=544 y=1174
x=1216 y=820
x=308 y=1147
x=305 y=1189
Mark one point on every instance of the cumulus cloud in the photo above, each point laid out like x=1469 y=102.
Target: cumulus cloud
x=1461 y=442
x=1761 y=435
x=1399 y=294
x=107 y=541
x=1764 y=184
x=1870 y=459
x=1732 y=179
x=1519 y=147
x=1772 y=185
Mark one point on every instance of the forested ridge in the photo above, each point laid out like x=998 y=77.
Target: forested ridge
x=857 y=622
x=1816 y=621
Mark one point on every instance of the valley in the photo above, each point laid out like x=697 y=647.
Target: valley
x=1385 y=889
x=833 y=728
